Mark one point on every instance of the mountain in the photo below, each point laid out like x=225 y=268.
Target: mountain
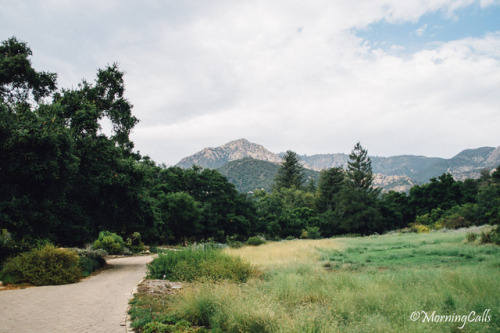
x=466 y=164
x=214 y=158
x=251 y=166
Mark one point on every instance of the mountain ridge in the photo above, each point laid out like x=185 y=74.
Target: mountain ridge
x=398 y=172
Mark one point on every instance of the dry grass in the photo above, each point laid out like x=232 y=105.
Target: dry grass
x=285 y=253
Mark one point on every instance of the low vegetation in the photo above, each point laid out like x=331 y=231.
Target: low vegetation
x=109 y=242
x=199 y=263
x=42 y=266
x=368 y=284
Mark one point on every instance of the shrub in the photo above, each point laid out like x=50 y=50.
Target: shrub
x=234 y=242
x=110 y=242
x=419 y=228
x=46 y=265
x=454 y=221
x=91 y=260
x=199 y=264
x=7 y=246
x=311 y=233
x=256 y=241
x=134 y=243
x=490 y=236
x=471 y=237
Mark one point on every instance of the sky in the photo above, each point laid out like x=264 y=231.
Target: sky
x=418 y=77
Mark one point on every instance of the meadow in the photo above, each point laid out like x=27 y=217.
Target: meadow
x=365 y=284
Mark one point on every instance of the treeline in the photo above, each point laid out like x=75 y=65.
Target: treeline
x=345 y=202
x=64 y=180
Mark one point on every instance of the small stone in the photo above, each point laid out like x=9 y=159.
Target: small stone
x=147 y=252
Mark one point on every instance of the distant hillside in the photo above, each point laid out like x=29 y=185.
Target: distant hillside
x=214 y=158
x=249 y=174
x=251 y=166
x=467 y=164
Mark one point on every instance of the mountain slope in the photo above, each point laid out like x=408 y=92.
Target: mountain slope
x=214 y=158
x=249 y=174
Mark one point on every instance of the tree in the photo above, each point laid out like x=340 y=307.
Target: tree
x=182 y=215
x=19 y=82
x=329 y=185
x=357 y=211
x=359 y=168
x=291 y=172
x=357 y=207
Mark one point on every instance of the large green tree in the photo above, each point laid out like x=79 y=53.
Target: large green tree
x=359 y=168
x=329 y=186
x=291 y=172
x=357 y=210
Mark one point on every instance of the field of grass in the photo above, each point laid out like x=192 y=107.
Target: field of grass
x=369 y=284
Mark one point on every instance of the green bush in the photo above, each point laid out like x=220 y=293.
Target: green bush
x=199 y=264
x=134 y=243
x=454 y=221
x=255 y=241
x=110 y=242
x=91 y=260
x=490 y=236
x=46 y=265
x=471 y=237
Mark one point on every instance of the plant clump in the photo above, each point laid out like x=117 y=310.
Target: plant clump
x=46 y=265
x=199 y=263
x=256 y=241
x=110 y=242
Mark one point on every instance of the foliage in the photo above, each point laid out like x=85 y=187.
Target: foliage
x=178 y=327
x=359 y=168
x=490 y=236
x=291 y=172
x=90 y=260
x=192 y=264
x=471 y=237
x=134 y=243
x=329 y=185
x=256 y=241
x=110 y=242
x=47 y=265
x=419 y=228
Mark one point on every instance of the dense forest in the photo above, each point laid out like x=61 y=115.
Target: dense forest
x=64 y=180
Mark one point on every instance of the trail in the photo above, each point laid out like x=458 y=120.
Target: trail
x=96 y=304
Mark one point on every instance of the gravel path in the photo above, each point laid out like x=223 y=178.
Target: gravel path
x=97 y=304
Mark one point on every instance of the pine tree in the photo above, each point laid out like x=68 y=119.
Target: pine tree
x=291 y=173
x=359 y=169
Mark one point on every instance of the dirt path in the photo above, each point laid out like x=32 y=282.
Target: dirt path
x=97 y=304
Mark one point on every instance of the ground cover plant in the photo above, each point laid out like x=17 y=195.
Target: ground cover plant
x=364 y=284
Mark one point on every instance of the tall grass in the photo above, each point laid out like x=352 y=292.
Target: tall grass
x=192 y=264
x=297 y=293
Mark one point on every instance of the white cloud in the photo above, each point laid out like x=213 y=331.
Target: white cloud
x=288 y=75
x=420 y=31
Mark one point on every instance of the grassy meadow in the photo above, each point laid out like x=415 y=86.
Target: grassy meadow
x=369 y=284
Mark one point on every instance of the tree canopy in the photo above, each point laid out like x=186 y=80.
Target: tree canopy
x=291 y=172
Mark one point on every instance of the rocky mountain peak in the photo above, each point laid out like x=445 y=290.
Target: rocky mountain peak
x=215 y=157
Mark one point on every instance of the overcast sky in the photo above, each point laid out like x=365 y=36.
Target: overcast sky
x=403 y=77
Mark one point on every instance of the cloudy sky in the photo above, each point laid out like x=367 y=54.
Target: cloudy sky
x=403 y=77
